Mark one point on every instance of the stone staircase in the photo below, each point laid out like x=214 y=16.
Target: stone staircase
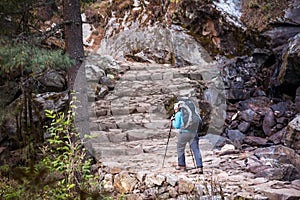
x=130 y=127
x=129 y=131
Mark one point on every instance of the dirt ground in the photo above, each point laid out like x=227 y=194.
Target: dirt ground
x=257 y=14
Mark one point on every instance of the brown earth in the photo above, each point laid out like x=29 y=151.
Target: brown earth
x=257 y=14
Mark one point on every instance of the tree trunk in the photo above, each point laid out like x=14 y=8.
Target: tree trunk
x=76 y=74
x=73 y=36
x=46 y=12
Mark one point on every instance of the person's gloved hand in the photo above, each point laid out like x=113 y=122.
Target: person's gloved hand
x=173 y=117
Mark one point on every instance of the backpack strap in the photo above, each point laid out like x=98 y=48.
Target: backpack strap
x=182 y=104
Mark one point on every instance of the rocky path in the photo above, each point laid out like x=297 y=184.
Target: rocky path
x=131 y=124
x=130 y=129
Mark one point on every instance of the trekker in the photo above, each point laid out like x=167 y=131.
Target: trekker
x=186 y=136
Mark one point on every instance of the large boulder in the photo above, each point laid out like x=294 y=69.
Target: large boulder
x=297 y=100
x=101 y=74
x=9 y=91
x=277 y=20
x=289 y=71
x=50 y=81
x=292 y=134
x=155 y=44
x=268 y=122
x=217 y=26
x=275 y=162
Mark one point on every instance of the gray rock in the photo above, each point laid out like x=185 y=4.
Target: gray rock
x=244 y=126
x=281 y=157
x=172 y=179
x=52 y=81
x=247 y=115
x=289 y=70
x=292 y=134
x=255 y=141
x=94 y=73
x=107 y=82
x=277 y=137
x=154 y=44
x=152 y=179
x=268 y=122
x=235 y=135
x=275 y=190
x=151 y=193
x=116 y=136
x=141 y=175
x=280 y=108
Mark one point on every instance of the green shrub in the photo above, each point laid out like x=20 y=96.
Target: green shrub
x=21 y=59
x=66 y=155
x=64 y=172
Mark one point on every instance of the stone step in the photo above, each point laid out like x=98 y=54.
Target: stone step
x=101 y=152
x=151 y=75
x=120 y=105
x=146 y=88
x=145 y=66
x=114 y=100
x=142 y=161
x=134 y=142
x=203 y=68
x=139 y=149
x=130 y=122
x=179 y=90
x=118 y=136
x=149 y=82
x=130 y=126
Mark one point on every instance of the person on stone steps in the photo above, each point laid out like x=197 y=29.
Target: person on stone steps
x=184 y=137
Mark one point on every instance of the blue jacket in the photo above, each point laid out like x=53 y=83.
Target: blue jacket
x=178 y=121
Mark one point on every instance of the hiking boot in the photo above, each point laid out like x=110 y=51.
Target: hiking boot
x=198 y=170
x=181 y=168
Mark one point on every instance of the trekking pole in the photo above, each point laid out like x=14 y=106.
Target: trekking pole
x=167 y=144
x=192 y=156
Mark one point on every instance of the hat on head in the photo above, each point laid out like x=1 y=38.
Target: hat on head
x=176 y=106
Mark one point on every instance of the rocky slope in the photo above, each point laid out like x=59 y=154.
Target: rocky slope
x=260 y=116
x=250 y=100
x=130 y=127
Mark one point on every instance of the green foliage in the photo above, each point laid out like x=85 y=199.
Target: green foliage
x=267 y=7
x=10 y=189
x=15 y=5
x=87 y=1
x=26 y=59
x=4 y=169
x=20 y=15
x=252 y=4
x=64 y=172
x=68 y=157
x=264 y=6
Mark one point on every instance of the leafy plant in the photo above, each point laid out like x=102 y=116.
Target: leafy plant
x=63 y=173
x=22 y=59
x=21 y=64
x=252 y=4
x=68 y=158
x=267 y=7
